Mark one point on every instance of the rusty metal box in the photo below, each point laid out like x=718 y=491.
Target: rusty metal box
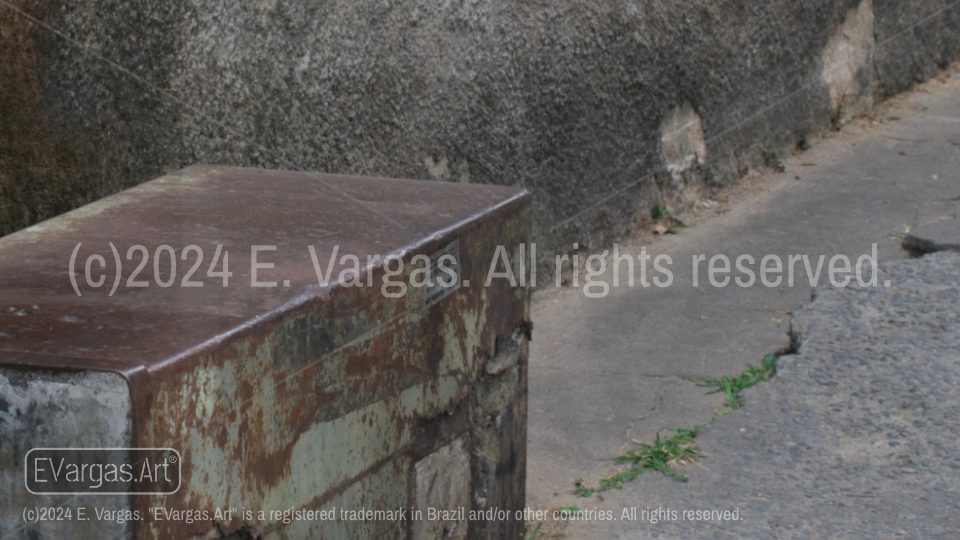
x=220 y=312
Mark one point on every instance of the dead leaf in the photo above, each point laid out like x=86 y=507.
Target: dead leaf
x=659 y=228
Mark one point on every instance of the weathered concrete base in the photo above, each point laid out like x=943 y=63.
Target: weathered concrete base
x=47 y=409
x=498 y=414
x=442 y=487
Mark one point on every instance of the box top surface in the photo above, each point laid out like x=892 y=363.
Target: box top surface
x=44 y=323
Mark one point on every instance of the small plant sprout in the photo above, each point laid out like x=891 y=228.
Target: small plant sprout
x=663 y=455
x=750 y=376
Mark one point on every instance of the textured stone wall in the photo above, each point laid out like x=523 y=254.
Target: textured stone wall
x=571 y=99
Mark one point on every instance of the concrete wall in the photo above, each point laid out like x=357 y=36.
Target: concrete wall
x=571 y=99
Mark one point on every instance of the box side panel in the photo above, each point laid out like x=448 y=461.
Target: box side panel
x=305 y=407
x=50 y=409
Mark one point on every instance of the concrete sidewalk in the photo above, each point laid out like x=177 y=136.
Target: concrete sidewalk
x=609 y=371
x=855 y=437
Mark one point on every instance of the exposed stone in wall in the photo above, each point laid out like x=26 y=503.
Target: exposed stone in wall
x=848 y=64
x=682 y=146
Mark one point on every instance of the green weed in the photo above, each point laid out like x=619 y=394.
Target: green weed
x=660 y=456
x=582 y=490
x=660 y=211
x=750 y=376
x=680 y=448
x=772 y=159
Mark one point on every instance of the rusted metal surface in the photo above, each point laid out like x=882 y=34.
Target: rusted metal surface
x=299 y=396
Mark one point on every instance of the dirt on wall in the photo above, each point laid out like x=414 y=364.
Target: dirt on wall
x=43 y=172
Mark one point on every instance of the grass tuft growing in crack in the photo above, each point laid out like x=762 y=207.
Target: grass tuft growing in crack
x=660 y=456
x=750 y=376
x=680 y=449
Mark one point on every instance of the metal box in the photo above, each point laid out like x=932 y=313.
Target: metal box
x=293 y=386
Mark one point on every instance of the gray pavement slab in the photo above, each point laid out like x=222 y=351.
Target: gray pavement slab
x=608 y=371
x=855 y=437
